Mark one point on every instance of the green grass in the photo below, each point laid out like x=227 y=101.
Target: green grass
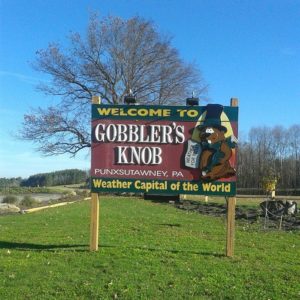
x=147 y=251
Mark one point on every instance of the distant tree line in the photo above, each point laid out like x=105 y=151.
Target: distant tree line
x=63 y=177
x=10 y=182
x=270 y=152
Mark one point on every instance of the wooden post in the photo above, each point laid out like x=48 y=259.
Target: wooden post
x=230 y=226
x=231 y=202
x=94 y=239
x=94 y=226
x=206 y=198
x=273 y=194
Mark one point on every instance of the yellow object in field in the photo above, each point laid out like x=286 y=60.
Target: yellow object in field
x=269 y=184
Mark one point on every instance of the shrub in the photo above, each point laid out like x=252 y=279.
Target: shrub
x=10 y=199
x=28 y=201
x=83 y=192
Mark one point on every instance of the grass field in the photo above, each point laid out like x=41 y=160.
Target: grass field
x=147 y=251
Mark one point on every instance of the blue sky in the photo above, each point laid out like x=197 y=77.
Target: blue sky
x=245 y=49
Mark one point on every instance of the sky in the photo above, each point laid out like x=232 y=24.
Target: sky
x=249 y=50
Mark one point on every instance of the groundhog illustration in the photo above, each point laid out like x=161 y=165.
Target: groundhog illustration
x=216 y=149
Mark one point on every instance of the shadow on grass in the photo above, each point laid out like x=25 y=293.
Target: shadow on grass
x=85 y=248
x=170 y=225
x=174 y=251
x=181 y=251
x=39 y=247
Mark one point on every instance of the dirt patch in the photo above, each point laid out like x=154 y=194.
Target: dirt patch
x=249 y=214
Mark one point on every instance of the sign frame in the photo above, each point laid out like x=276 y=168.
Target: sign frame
x=230 y=200
x=130 y=142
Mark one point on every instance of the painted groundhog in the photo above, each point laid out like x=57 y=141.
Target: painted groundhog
x=216 y=149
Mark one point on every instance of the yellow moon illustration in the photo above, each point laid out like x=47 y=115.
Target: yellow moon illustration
x=224 y=122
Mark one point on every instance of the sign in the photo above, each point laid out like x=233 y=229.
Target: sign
x=164 y=149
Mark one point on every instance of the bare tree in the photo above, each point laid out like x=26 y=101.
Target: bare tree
x=116 y=56
x=294 y=136
x=270 y=153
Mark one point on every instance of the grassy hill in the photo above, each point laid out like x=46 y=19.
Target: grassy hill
x=147 y=251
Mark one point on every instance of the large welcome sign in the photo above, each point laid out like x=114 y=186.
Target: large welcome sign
x=164 y=149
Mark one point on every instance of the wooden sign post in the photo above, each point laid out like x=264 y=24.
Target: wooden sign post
x=231 y=202
x=94 y=227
